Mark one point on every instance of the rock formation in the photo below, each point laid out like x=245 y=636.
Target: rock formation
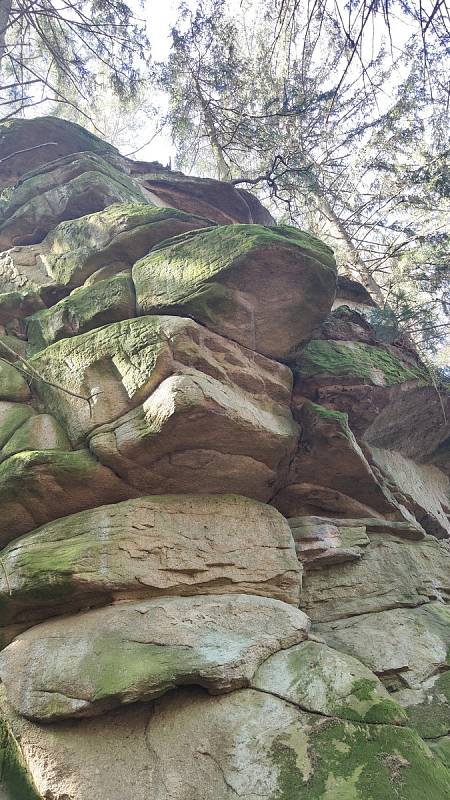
x=225 y=504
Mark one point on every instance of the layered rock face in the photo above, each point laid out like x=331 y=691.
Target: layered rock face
x=225 y=506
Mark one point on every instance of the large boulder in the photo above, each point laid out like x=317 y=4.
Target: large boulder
x=109 y=300
x=329 y=455
x=403 y=646
x=392 y=399
x=266 y=288
x=114 y=238
x=152 y=546
x=219 y=201
x=27 y=144
x=62 y=190
x=317 y=678
x=175 y=408
x=189 y=746
x=89 y=663
x=356 y=377
x=196 y=433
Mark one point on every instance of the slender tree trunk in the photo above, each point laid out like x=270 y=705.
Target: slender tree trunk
x=356 y=263
x=5 y=12
x=223 y=169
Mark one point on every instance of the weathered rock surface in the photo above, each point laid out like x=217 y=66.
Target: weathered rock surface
x=319 y=679
x=196 y=433
x=254 y=285
x=54 y=137
x=13 y=385
x=86 y=664
x=323 y=541
x=219 y=201
x=320 y=542
x=38 y=432
x=109 y=300
x=390 y=396
x=123 y=363
x=329 y=455
x=62 y=190
x=39 y=486
x=188 y=746
x=152 y=546
x=12 y=417
x=188 y=586
x=21 y=270
x=391 y=573
x=403 y=646
x=428 y=708
x=425 y=489
x=113 y=238
x=210 y=417
x=14 y=306
x=309 y=499
x=26 y=144
x=357 y=378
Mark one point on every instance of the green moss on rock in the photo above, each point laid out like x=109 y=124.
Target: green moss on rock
x=13 y=385
x=322 y=680
x=12 y=417
x=15 y=781
x=107 y=301
x=431 y=716
x=120 y=234
x=265 y=287
x=38 y=432
x=369 y=362
x=360 y=762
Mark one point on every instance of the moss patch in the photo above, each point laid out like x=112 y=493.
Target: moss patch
x=372 y=363
x=431 y=718
x=360 y=762
x=15 y=780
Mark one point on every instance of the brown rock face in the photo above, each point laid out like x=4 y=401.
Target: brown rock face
x=204 y=414
x=329 y=454
x=61 y=191
x=27 y=144
x=220 y=202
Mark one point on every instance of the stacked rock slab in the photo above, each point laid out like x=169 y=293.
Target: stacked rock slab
x=224 y=566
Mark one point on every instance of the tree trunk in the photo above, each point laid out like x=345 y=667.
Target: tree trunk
x=356 y=264
x=5 y=13
x=223 y=169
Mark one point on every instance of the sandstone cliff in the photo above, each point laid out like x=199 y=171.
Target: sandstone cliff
x=224 y=503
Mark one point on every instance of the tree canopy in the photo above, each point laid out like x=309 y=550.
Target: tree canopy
x=53 y=50
x=342 y=129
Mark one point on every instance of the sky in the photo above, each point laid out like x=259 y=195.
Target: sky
x=159 y=17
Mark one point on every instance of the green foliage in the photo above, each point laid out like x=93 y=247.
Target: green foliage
x=57 y=52
x=267 y=97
